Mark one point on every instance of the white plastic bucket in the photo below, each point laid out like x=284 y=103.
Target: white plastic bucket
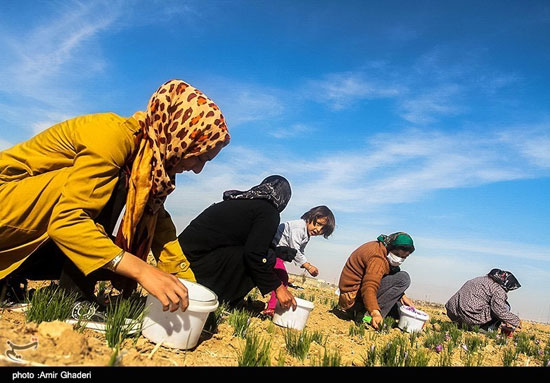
x=412 y=319
x=293 y=319
x=179 y=329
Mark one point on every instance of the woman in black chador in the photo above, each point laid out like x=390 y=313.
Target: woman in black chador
x=228 y=244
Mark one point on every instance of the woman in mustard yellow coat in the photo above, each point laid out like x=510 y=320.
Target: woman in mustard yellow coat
x=55 y=186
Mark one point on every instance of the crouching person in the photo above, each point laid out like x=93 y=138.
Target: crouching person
x=371 y=283
x=482 y=302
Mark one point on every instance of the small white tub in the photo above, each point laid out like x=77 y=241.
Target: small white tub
x=179 y=329
x=293 y=319
x=412 y=319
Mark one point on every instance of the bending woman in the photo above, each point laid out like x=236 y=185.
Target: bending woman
x=483 y=301
x=228 y=244
x=372 y=281
x=65 y=188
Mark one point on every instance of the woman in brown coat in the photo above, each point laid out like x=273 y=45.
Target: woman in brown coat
x=371 y=282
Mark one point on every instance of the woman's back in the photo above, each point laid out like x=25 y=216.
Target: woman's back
x=227 y=247
x=472 y=303
x=249 y=223
x=107 y=135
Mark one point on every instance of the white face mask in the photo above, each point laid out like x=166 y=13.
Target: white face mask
x=394 y=260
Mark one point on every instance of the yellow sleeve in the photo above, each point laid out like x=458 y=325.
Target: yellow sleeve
x=167 y=250
x=89 y=186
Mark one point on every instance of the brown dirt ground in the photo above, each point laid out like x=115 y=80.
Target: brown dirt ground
x=60 y=345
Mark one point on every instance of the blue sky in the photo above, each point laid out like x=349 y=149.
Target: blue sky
x=431 y=118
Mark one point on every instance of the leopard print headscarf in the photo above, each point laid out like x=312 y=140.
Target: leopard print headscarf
x=180 y=122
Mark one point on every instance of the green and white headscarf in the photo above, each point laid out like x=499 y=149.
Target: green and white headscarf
x=399 y=239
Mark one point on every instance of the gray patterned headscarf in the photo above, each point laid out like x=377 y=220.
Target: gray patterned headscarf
x=275 y=189
x=504 y=278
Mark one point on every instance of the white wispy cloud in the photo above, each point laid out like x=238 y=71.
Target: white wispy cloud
x=47 y=68
x=50 y=52
x=440 y=64
x=426 y=107
x=245 y=102
x=475 y=247
x=48 y=62
x=247 y=106
x=538 y=150
x=412 y=164
x=532 y=143
x=491 y=83
x=441 y=84
x=435 y=86
x=342 y=90
x=293 y=130
x=418 y=104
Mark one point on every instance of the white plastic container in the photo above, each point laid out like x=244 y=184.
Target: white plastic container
x=179 y=329
x=293 y=319
x=412 y=319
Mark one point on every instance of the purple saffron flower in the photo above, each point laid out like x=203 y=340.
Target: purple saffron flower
x=465 y=347
x=438 y=348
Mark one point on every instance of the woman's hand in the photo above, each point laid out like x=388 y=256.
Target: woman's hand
x=285 y=298
x=312 y=270
x=504 y=324
x=164 y=286
x=407 y=301
x=377 y=319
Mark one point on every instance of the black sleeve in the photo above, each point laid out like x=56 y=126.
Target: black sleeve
x=264 y=226
x=286 y=253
